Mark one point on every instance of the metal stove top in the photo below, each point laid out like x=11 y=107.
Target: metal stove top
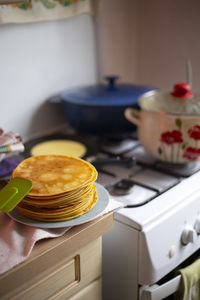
x=137 y=184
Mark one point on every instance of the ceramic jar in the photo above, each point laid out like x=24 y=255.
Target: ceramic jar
x=168 y=136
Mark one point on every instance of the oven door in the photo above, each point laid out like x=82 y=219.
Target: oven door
x=160 y=291
x=167 y=286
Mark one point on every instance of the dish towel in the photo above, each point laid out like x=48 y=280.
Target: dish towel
x=190 y=284
x=17 y=240
x=45 y=10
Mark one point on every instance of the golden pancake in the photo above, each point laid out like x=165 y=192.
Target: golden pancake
x=59 y=147
x=62 y=214
x=63 y=187
x=68 y=208
x=68 y=198
x=55 y=174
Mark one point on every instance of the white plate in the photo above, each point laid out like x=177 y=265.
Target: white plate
x=103 y=200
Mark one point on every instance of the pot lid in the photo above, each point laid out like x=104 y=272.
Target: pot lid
x=179 y=101
x=107 y=94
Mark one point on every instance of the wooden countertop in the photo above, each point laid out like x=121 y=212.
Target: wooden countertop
x=75 y=238
x=48 y=249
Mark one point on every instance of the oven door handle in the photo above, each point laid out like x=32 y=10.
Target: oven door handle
x=158 y=292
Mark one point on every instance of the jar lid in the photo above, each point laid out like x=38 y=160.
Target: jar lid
x=182 y=90
x=107 y=94
x=180 y=101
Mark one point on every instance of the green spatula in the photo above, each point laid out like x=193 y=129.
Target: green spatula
x=13 y=193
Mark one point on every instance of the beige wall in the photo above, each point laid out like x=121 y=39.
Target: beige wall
x=169 y=35
x=119 y=30
x=148 y=42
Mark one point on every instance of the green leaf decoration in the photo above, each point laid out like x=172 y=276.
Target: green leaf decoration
x=23 y=6
x=178 y=123
x=159 y=150
x=48 y=4
x=65 y=2
x=184 y=146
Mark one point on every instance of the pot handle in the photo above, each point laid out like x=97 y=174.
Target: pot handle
x=133 y=115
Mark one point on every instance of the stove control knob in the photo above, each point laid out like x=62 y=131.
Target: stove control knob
x=189 y=235
x=197 y=225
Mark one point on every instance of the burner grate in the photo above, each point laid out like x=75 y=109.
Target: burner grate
x=118 y=147
x=181 y=170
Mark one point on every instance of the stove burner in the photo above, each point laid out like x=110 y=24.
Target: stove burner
x=90 y=144
x=123 y=187
x=126 y=162
x=118 y=147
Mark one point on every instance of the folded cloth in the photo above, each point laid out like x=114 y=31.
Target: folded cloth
x=10 y=137
x=17 y=240
x=13 y=139
x=190 y=283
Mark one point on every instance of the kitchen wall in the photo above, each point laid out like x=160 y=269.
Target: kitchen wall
x=144 y=42
x=169 y=35
x=38 y=60
x=149 y=42
x=119 y=35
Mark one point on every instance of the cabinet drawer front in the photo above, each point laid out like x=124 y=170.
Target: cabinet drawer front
x=64 y=279
x=90 y=292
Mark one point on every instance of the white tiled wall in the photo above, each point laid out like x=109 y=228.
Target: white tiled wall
x=38 y=60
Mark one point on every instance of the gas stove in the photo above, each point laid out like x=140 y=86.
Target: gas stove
x=124 y=168
x=135 y=184
x=158 y=229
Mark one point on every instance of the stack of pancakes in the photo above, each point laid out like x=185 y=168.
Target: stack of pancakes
x=63 y=187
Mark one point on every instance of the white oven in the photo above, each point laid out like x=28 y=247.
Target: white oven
x=155 y=234
x=149 y=242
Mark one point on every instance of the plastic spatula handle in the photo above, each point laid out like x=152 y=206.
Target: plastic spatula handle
x=13 y=193
x=7 y=195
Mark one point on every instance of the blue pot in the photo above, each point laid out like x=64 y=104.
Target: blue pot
x=99 y=109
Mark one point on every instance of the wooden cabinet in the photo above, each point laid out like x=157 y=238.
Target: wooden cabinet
x=90 y=292
x=65 y=268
